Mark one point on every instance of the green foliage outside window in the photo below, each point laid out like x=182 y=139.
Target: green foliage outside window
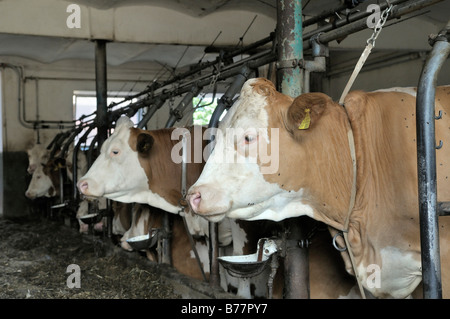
x=202 y=115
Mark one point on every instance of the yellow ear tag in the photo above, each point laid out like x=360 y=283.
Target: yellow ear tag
x=304 y=125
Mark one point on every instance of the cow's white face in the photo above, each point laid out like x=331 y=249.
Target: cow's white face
x=37 y=155
x=116 y=173
x=40 y=184
x=232 y=183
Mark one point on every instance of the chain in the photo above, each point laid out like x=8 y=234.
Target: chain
x=379 y=25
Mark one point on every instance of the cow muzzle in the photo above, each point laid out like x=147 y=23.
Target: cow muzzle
x=89 y=188
x=208 y=202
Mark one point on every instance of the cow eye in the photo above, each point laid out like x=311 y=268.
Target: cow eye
x=249 y=138
x=115 y=152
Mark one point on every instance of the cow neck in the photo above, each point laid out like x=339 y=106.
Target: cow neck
x=164 y=175
x=323 y=165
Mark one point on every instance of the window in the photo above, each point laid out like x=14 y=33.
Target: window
x=204 y=108
x=85 y=104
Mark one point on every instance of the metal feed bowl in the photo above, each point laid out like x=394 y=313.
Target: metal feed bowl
x=143 y=242
x=247 y=266
x=91 y=218
x=243 y=266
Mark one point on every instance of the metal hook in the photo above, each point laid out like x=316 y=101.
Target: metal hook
x=440 y=145
x=439 y=116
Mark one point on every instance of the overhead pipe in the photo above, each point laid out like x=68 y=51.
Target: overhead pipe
x=177 y=113
x=404 y=7
x=196 y=69
x=426 y=166
x=150 y=112
x=289 y=77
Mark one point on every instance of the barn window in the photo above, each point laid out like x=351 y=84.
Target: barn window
x=204 y=108
x=85 y=104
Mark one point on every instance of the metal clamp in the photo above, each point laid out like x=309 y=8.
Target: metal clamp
x=335 y=243
x=286 y=64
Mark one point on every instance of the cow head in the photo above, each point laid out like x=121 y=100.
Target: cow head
x=45 y=179
x=37 y=154
x=130 y=167
x=116 y=172
x=293 y=133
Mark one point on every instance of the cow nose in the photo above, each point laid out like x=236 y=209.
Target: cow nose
x=83 y=186
x=194 y=200
x=29 y=195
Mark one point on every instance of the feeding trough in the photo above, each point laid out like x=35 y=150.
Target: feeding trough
x=144 y=241
x=248 y=266
x=91 y=218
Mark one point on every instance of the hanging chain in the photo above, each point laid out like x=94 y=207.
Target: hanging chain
x=379 y=25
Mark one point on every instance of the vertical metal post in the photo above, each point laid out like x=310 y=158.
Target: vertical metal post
x=289 y=77
x=102 y=110
x=101 y=88
x=426 y=167
x=290 y=47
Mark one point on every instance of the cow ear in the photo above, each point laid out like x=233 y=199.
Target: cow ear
x=144 y=143
x=305 y=111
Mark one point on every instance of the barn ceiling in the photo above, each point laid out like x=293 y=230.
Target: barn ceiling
x=172 y=51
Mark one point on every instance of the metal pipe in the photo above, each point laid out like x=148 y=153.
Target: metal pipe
x=426 y=167
x=150 y=112
x=290 y=46
x=101 y=89
x=101 y=120
x=225 y=101
x=289 y=76
x=177 y=113
x=361 y=23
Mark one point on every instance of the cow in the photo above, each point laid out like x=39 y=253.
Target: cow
x=310 y=173
x=45 y=180
x=37 y=154
x=143 y=170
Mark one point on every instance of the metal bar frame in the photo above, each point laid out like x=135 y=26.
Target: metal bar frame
x=426 y=168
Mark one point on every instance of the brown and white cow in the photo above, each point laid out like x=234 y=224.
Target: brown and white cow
x=37 y=154
x=45 y=180
x=137 y=166
x=307 y=139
